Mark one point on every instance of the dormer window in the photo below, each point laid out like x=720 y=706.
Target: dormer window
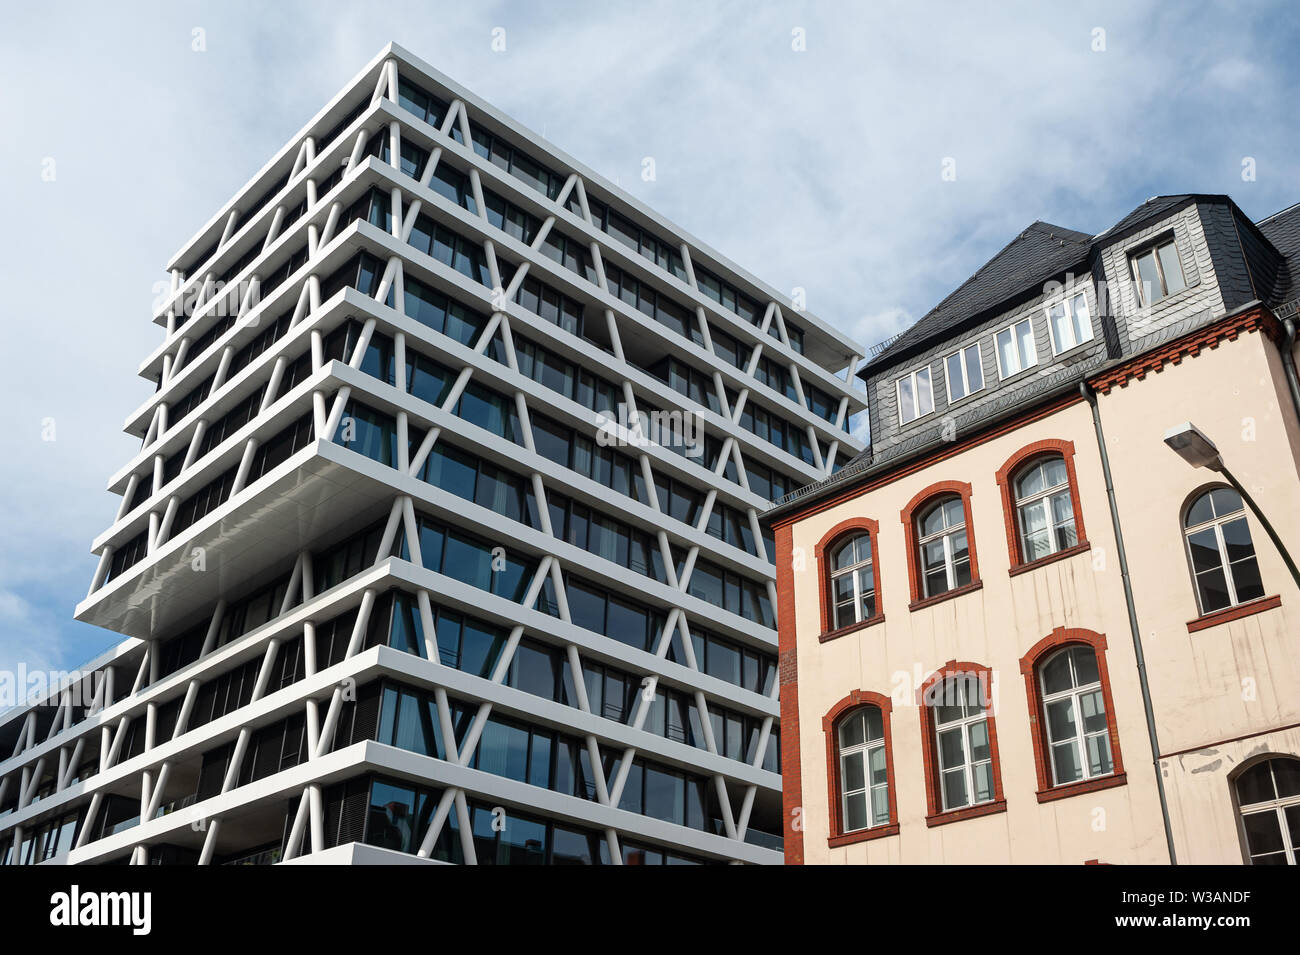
x=1069 y=323
x=915 y=397
x=1016 y=349
x=964 y=373
x=1158 y=272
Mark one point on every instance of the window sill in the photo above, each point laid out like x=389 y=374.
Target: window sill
x=851 y=628
x=864 y=835
x=1074 y=350
x=970 y=812
x=1161 y=304
x=1086 y=786
x=923 y=419
x=1079 y=548
x=947 y=595
x=1022 y=373
x=1258 y=605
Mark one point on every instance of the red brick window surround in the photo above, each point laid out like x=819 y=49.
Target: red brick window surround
x=959 y=744
x=828 y=549
x=858 y=742
x=963 y=577
x=1035 y=483
x=1072 y=715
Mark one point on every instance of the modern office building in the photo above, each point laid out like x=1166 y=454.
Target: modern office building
x=442 y=542
x=1021 y=628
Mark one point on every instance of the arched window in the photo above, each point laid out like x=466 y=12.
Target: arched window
x=960 y=743
x=1076 y=744
x=1074 y=710
x=1044 y=508
x=849 y=577
x=859 y=769
x=1224 y=569
x=1268 y=798
x=1040 y=501
x=853 y=581
x=942 y=547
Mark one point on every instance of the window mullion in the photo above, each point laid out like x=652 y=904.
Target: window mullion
x=1223 y=562
x=1160 y=271
x=1080 y=738
x=949 y=570
x=969 y=768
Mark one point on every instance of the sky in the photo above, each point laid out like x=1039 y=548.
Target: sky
x=807 y=142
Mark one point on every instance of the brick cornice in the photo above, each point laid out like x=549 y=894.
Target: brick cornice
x=1213 y=335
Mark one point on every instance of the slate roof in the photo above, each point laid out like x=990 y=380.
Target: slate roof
x=1282 y=229
x=1041 y=252
x=1157 y=207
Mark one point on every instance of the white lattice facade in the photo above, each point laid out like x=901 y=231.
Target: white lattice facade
x=393 y=588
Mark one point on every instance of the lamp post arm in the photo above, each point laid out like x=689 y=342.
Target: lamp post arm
x=1268 y=527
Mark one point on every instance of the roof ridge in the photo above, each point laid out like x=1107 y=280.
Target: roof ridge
x=1055 y=231
x=974 y=275
x=1280 y=212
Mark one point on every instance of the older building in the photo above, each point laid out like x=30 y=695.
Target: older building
x=1019 y=628
x=442 y=540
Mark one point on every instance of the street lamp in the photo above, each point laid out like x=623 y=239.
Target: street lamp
x=1196 y=449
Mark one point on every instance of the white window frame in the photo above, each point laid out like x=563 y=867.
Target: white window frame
x=1068 y=302
x=1217 y=524
x=1277 y=805
x=854 y=573
x=1074 y=693
x=963 y=725
x=1003 y=373
x=898 y=393
x=965 y=378
x=1154 y=250
x=945 y=534
x=1043 y=499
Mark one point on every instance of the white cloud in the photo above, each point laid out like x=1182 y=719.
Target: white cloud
x=818 y=169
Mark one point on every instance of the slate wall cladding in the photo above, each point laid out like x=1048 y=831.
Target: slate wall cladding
x=1227 y=253
x=886 y=430
x=1137 y=322
x=1266 y=265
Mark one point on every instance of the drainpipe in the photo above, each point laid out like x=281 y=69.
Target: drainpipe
x=1091 y=398
x=1288 y=363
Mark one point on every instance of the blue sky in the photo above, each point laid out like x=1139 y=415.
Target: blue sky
x=818 y=168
